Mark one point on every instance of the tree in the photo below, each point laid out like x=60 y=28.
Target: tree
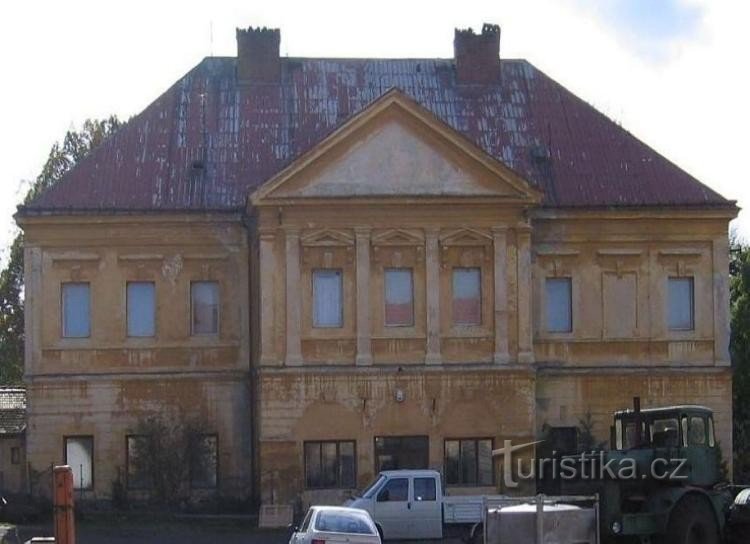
x=740 y=351
x=62 y=157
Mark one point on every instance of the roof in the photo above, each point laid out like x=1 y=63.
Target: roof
x=673 y=408
x=207 y=142
x=12 y=410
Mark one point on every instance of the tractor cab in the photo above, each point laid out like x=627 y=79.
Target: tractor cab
x=682 y=437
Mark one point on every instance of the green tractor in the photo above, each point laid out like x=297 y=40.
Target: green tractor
x=661 y=481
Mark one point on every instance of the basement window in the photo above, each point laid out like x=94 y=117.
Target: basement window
x=141 y=308
x=681 y=307
x=328 y=308
x=76 y=310
x=204 y=307
x=467 y=296
x=79 y=455
x=399 y=297
x=330 y=464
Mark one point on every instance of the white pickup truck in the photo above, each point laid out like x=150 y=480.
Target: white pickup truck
x=410 y=504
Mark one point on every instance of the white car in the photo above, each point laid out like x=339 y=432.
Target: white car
x=324 y=524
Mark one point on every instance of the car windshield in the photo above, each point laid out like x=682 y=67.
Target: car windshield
x=343 y=522
x=370 y=490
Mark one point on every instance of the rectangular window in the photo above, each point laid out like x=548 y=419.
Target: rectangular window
x=468 y=461
x=137 y=456
x=399 y=297
x=204 y=304
x=330 y=464
x=559 y=304
x=76 y=310
x=328 y=308
x=467 y=296
x=681 y=307
x=401 y=452
x=15 y=456
x=425 y=489
x=79 y=455
x=204 y=456
x=141 y=308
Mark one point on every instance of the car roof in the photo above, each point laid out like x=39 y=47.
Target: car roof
x=338 y=509
x=675 y=408
x=420 y=472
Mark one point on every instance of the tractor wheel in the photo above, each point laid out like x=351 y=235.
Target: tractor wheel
x=692 y=522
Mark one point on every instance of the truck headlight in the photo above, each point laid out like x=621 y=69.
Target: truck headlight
x=616 y=527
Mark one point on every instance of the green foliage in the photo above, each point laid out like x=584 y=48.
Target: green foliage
x=586 y=439
x=740 y=349
x=62 y=157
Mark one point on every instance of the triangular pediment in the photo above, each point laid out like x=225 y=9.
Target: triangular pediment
x=398 y=237
x=327 y=237
x=395 y=148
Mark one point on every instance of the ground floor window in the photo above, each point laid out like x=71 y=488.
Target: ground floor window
x=79 y=455
x=204 y=456
x=468 y=461
x=401 y=452
x=330 y=464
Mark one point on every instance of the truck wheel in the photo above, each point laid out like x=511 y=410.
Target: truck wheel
x=380 y=532
x=692 y=522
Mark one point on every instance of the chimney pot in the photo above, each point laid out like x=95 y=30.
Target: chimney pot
x=258 y=59
x=477 y=56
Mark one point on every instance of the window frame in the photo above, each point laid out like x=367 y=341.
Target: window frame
x=412 y=322
x=313 y=291
x=192 y=309
x=191 y=484
x=92 y=484
x=128 y=283
x=63 y=306
x=476 y=440
x=338 y=462
x=558 y=279
x=467 y=324
x=691 y=327
x=128 y=485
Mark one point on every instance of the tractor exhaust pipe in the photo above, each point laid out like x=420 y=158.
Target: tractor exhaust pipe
x=638 y=421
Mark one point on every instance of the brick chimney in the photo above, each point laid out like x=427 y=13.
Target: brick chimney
x=477 y=56
x=258 y=58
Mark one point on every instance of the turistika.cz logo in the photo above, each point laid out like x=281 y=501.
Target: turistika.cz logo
x=585 y=466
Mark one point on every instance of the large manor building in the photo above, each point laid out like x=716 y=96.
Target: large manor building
x=343 y=265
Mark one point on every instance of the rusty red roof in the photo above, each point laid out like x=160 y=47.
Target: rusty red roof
x=208 y=141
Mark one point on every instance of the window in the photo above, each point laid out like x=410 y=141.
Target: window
x=399 y=297
x=76 y=310
x=141 y=308
x=711 y=438
x=469 y=462
x=401 y=452
x=204 y=303
x=136 y=458
x=79 y=455
x=330 y=464
x=328 y=308
x=467 y=304
x=15 y=455
x=681 y=309
x=349 y=522
x=204 y=455
x=697 y=432
x=665 y=433
x=558 y=294
x=424 y=489
x=306 y=521
x=396 y=490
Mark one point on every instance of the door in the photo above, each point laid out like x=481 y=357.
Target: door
x=426 y=508
x=392 y=508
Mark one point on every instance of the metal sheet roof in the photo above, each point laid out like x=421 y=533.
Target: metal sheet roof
x=208 y=141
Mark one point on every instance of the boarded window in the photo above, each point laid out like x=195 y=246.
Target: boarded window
x=558 y=299
x=137 y=460
x=399 y=297
x=204 y=303
x=204 y=456
x=76 y=310
x=681 y=308
x=328 y=309
x=330 y=464
x=467 y=300
x=79 y=455
x=141 y=306
x=468 y=461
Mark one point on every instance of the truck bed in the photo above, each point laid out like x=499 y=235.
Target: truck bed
x=467 y=508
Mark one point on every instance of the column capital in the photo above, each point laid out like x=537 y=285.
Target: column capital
x=499 y=229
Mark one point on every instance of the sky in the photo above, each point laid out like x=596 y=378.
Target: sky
x=673 y=72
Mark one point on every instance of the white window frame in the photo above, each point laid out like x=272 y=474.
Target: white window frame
x=340 y=323
x=691 y=281
x=63 y=307
x=128 y=308
x=548 y=304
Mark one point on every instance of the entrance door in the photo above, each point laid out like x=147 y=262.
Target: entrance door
x=401 y=452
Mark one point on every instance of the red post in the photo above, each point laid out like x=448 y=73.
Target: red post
x=63 y=501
